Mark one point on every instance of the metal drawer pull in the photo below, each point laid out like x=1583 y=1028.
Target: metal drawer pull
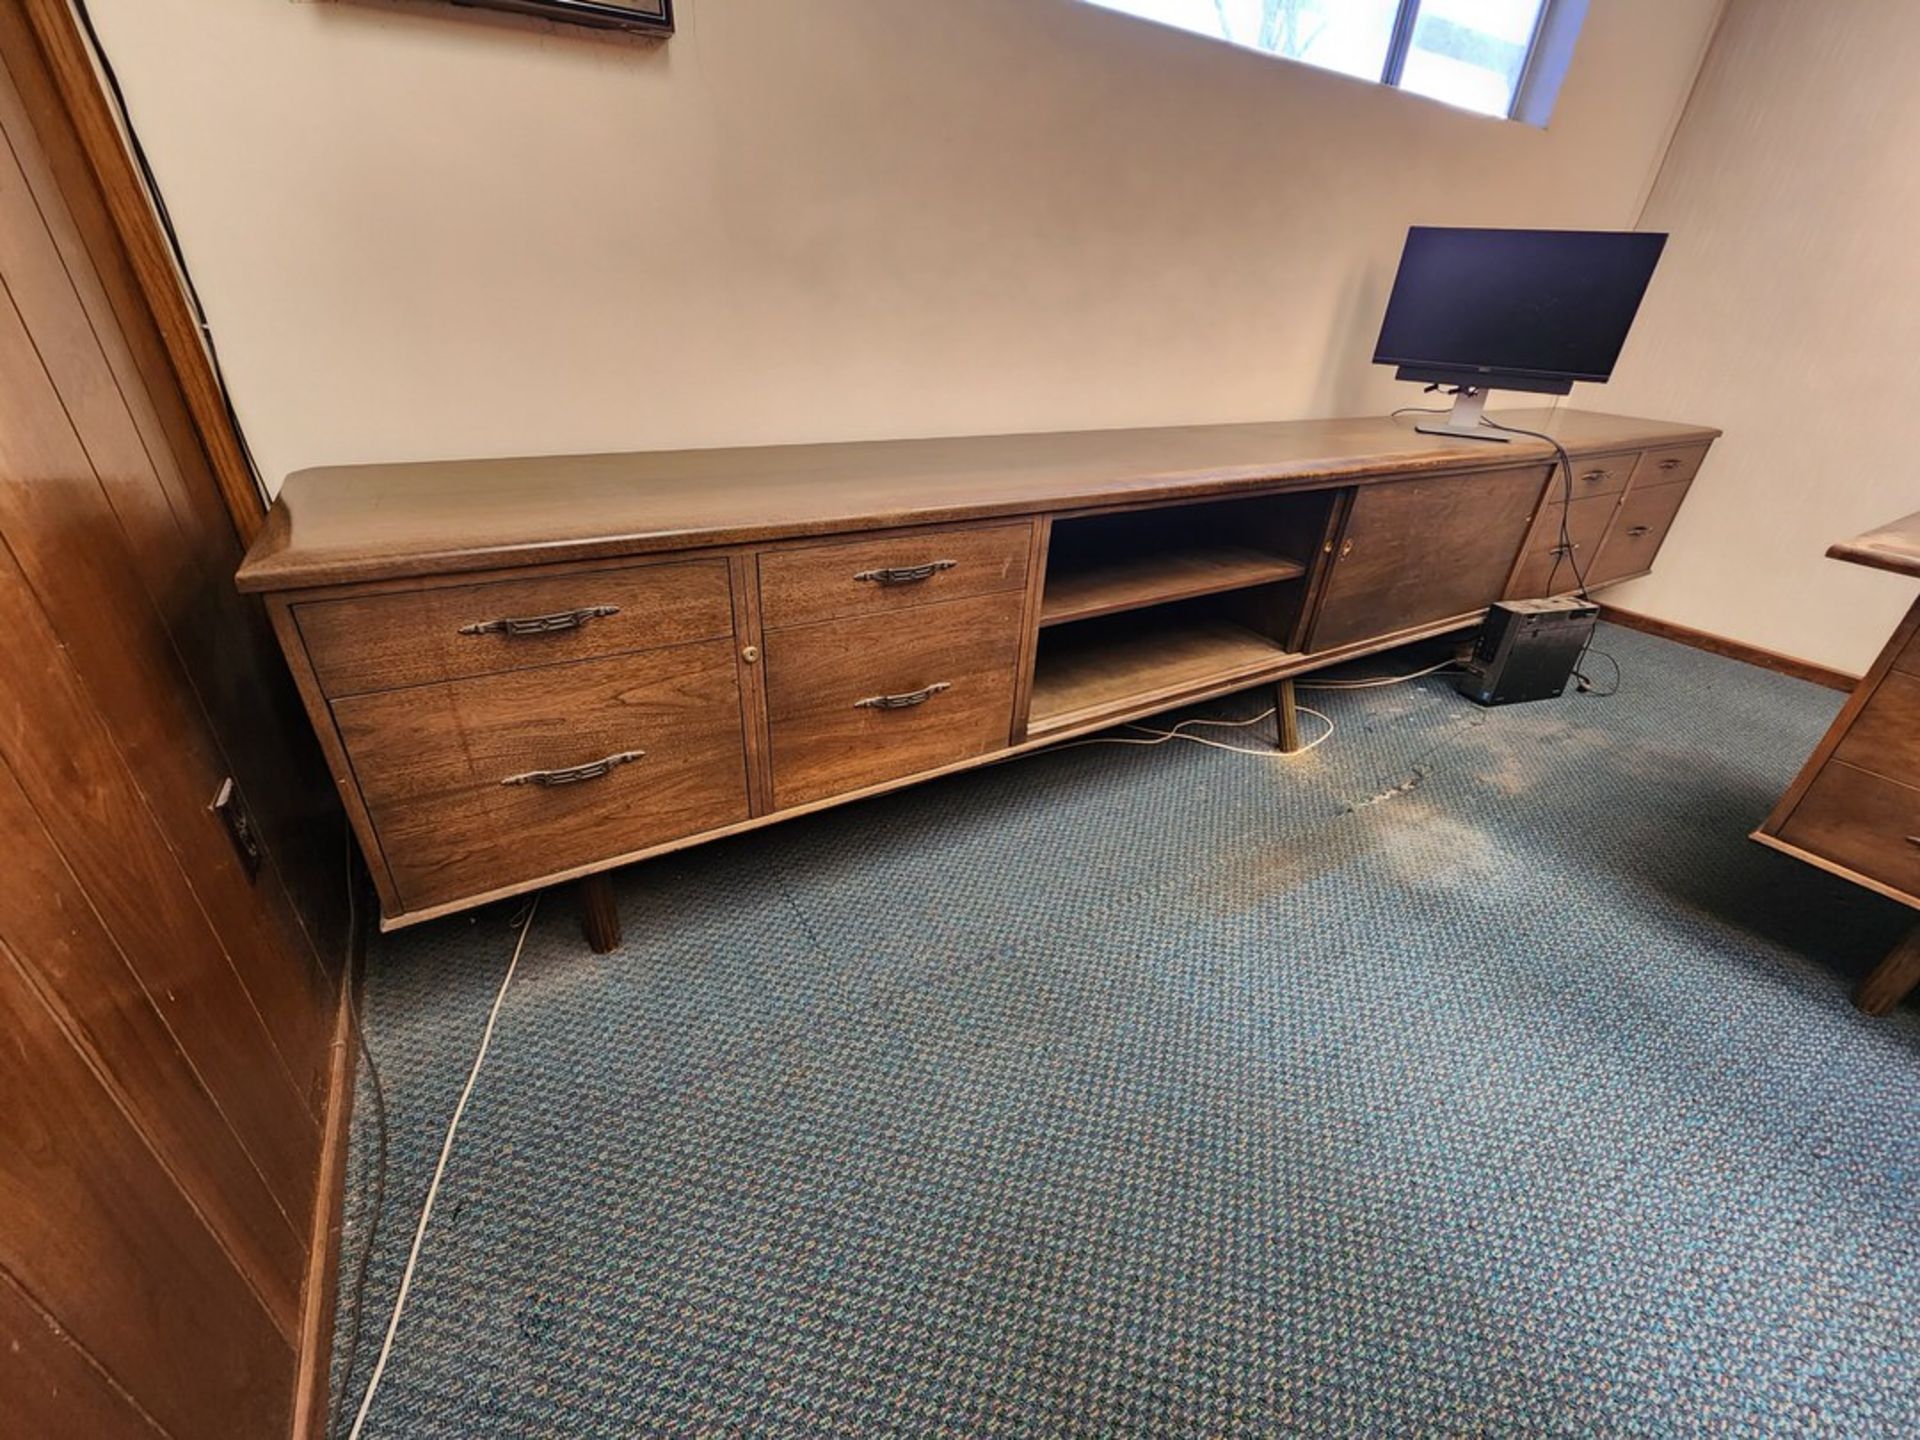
x=540 y=624
x=1913 y=839
x=1672 y=463
x=574 y=774
x=1634 y=532
x=902 y=702
x=1564 y=549
x=1593 y=475
x=906 y=574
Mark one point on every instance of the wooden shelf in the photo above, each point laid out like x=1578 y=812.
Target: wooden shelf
x=1133 y=581
x=1080 y=675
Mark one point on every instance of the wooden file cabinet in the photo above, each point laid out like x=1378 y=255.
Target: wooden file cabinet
x=1854 y=809
x=528 y=671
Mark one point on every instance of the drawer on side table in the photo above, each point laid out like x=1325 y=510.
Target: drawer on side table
x=854 y=702
x=876 y=577
x=1885 y=736
x=381 y=642
x=1860 y=821
x=476 y=784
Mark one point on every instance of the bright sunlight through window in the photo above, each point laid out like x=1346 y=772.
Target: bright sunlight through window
x=1476 y=54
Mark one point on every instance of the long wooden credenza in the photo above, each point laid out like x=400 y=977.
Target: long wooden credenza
x=526 y=671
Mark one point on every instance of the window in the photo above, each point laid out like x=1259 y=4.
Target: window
x=1484 y=55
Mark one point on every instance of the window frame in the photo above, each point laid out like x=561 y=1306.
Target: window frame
x=1549 y=52
x=1407 y=16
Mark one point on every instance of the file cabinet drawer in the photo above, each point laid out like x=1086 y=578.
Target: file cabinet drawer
x=878 y=577
x=855 y=702
x=1638 y=532
x=473 y=785
x=383 y=642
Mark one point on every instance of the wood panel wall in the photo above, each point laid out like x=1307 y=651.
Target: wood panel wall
x=171 y=1019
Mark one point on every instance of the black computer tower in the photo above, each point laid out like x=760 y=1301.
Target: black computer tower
x=1527 y=650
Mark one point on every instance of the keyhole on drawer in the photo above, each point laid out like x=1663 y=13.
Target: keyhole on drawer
x=750 y=654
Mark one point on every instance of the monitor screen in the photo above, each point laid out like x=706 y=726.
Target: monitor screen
x=1547 y=304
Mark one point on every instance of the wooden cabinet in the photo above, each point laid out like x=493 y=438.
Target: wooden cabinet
x=1418 y=551
x=527 y=671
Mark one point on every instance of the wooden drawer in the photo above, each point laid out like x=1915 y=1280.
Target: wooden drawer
x=1638 y=532
x=1598 y=475
x=948 y=669
x=451 y=772
x=1668 y=465
x=875 y=577
x=382 y=642
x=1885 y=736
x=1539 y=575
x=1862 y=822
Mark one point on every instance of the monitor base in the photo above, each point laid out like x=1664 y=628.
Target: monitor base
x=1469 y=405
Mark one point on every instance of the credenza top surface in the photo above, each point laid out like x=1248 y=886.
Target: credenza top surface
x=1894 y=546
x=346 y=524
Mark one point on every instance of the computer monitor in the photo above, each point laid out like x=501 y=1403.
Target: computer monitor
x=1512 y=310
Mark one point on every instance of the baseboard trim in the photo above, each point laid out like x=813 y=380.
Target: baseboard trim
x=313 y=1389
x=1732 y=649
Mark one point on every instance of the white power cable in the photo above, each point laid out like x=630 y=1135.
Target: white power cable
x=1178 y=732
x=1373 y=684
x=439 y=1170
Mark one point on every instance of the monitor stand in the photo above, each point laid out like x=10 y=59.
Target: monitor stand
x=1469 y=404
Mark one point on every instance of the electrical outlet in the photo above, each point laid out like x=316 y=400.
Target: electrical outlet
x=232 y=811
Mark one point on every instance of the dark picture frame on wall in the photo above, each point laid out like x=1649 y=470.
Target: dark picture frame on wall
x=651 y=17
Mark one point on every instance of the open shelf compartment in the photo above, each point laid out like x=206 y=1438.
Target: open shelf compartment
x=1127 y=560
x=1121 y=662
x=1141 y=607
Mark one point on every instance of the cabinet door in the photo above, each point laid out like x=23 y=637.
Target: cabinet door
x=1417 y=551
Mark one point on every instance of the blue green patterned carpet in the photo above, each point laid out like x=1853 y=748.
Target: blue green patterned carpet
x=1470 y=1075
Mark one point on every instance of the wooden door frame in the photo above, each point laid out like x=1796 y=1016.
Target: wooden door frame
x=65 y=51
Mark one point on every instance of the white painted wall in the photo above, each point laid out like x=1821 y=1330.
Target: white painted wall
x=422 y=233
x=1787 y=312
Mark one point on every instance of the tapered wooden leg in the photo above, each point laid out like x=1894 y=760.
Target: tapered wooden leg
x=1288 y=715
x=599 y=914
x=1887 y=984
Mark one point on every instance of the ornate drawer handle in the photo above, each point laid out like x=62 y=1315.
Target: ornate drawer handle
x=902 y=702
x=574 y=774
x=1634 y=532
x=540 y=624
x=1594 y=475
x=906 y=574
x=1672 y=463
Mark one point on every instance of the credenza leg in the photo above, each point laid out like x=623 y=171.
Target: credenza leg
x=599 y=914
x=1887 y=984
x=1288 y=715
